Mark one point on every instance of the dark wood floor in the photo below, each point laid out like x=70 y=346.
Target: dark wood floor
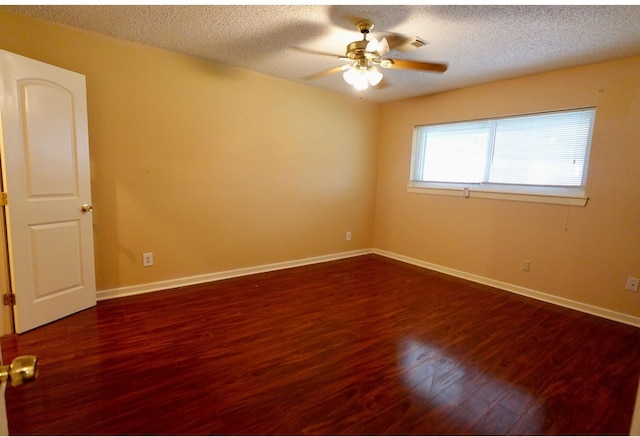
x=365 y=345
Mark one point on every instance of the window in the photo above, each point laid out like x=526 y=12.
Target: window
x=541 y=157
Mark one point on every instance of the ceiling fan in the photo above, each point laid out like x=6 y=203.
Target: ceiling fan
x=365 y=55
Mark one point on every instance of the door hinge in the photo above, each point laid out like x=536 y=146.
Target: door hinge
x=9 y=299
x=4 y=199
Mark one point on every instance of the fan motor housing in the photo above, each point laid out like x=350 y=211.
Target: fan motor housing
x=357 y=49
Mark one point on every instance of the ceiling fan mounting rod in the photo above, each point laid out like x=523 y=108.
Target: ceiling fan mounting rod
x=365 y=27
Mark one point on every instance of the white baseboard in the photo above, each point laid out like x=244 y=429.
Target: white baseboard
x=218 y=276
x=192 y=280
x=549 y=298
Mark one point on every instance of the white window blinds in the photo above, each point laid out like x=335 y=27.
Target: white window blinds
x=548 y=149
x=542 y=150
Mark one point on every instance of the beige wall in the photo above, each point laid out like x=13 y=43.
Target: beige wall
x=580 y=253
x=214 y=168
x=209 y=167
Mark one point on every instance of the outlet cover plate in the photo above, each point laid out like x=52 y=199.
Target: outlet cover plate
x=147 y=259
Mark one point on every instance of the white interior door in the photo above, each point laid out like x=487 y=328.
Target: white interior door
x=45 y=170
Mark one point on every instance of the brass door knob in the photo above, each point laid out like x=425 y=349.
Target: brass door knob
x=86 y=208
x=22 y=369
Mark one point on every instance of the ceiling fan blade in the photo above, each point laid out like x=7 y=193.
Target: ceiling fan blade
x=414 y=65
x=315 y=52
x=327 y=72
x=395 y=40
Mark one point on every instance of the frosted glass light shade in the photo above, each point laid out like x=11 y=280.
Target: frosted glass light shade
x=374 y=76
x=351 y=75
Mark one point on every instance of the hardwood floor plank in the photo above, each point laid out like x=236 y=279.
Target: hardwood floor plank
x=365 y=345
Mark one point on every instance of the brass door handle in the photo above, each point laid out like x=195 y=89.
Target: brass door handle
x=22 y=369
x=86 y=208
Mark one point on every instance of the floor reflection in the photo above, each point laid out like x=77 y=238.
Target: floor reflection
x=472 y=399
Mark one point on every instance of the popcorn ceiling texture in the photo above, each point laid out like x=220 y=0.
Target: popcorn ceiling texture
x=479 y=43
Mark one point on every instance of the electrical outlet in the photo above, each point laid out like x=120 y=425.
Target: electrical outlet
x=348 y=238
x=632 y=283
x=526 y=265
x=147 y=259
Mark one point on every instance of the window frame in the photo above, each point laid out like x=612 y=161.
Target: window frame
x=563 y=195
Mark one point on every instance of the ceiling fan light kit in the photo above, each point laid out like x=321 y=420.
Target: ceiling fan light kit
x=365 y=55
x=361 y=78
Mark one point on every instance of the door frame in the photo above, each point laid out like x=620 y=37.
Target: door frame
x=4 y=423
x=7 y=326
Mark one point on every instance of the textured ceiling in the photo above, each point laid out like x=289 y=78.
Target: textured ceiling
x=479 y=43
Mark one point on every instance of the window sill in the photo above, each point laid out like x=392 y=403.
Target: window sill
x=568 y=200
